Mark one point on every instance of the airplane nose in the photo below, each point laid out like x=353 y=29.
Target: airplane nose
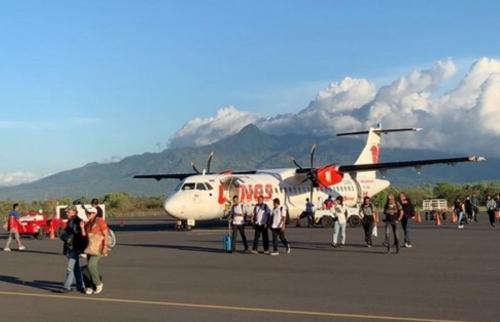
x=173 y=208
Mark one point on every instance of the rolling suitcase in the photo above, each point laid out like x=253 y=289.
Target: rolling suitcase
x=227 y=242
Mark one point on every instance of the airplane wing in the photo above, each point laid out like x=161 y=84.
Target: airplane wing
x=182 y=176
x=405 y=164
x=159 y=177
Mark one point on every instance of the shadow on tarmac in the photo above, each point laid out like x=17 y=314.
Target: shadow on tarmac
x=53 y=287
x=179 y=247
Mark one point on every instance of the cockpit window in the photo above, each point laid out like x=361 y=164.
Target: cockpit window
x=188 y=186
x=178 y=187
x=200 y=186
x=209 y=186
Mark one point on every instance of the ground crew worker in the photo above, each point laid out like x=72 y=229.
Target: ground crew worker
x=309 y=212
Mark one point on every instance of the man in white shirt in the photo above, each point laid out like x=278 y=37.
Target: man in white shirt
x=278 y=227
x=261 y=214
x=309 y=213
x=238 y=213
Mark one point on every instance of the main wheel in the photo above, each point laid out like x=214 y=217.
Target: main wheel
x=327 y=222
x=42 y=233
x=354 y=221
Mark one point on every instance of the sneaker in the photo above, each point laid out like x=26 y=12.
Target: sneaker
x=22 y=248
x=267 y=252
x=333 y=245
x=65 y=290
x=461 y=227
x=254 y=251
x=89 y=291
x=6 y=249
x=98 y=289
x=275 y=254
x=385 y=243
x=288 y=249
x=368 y=245
x=407 y=245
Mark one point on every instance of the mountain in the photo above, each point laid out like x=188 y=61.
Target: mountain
x=249 y=149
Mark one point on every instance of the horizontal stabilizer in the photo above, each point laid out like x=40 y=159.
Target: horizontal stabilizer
x=381 y=131
x=405 y=164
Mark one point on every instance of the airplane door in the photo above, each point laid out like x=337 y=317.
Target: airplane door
x=229 y=188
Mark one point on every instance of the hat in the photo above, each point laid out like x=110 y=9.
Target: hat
x=91 y=210
x=72 y=207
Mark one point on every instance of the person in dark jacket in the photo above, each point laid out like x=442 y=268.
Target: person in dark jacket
x=393 y=215
x=74 y=245
x=367 y=211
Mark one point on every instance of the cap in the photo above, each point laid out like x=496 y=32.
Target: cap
x=82 y=216
x=91 y=210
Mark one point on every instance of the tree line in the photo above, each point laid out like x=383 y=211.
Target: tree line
x=124 y=204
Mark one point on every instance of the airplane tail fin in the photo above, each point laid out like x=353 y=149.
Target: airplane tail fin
x=371 y=151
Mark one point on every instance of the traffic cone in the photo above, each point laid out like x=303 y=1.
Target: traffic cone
x=438 y=218
x=454 y=218
x=52 y=230
x=419 y=217
x=122 y=222
x=297 y=222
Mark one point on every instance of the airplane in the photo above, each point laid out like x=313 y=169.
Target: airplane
x=206 y=195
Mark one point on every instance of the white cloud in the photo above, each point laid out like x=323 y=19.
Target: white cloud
x=200 y=131
x=15 y=178
x=464 y=119
x=113 y=159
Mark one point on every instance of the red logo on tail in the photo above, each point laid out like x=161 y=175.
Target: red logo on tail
x=374 y=151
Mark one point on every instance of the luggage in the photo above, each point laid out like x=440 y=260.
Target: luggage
x=87 y=279
x=227 y=242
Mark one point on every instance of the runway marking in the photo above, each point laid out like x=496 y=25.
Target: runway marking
x=228 y=308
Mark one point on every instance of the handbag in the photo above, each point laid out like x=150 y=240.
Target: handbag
x=375 y=231
x=94 y=245
x=6 y=226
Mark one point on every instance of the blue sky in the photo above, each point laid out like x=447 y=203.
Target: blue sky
x=84 y=81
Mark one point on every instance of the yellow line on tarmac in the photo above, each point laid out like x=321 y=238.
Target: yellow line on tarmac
x=227 y=308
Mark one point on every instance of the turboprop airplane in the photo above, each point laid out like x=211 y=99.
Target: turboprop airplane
x=207 y=195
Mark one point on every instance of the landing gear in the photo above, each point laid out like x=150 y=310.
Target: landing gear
x=182 y=225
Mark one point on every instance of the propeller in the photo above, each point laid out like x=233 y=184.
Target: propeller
x=209 y=164
x=311 y=174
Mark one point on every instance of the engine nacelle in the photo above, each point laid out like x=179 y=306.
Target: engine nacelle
x=328 y=176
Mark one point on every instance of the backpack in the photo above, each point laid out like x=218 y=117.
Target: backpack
x=410 y=209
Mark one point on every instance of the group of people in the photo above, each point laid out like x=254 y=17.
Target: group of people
x=468 y=210
x=262 y=218
x=85 y=235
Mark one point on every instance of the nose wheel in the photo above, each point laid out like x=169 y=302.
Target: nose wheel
x=182 y=225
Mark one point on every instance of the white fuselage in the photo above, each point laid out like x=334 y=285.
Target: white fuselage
x=207 y=197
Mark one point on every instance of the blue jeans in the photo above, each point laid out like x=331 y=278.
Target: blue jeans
x=339 y=228
x=406 y=229
x=73 y=271
x=461 y=217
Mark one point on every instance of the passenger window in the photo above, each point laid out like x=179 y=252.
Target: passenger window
x=200 y=186
x=188 y=186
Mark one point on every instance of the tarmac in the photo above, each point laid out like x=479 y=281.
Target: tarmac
x=155 y=274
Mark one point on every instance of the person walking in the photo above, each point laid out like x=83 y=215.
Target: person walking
x=408 y=214
x=14 y=225
x=74 y=245
x=393 y=215
x=309 y=212
x=469 y=211
x=340 y=225
x=475 y=206
x=95 y=226
x=491 y=206
x=261 y=215
x=237 y=221
x=366 y=211
x=459 y=209
x=278 y=227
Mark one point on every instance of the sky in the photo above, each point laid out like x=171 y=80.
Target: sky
x=96 y=81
